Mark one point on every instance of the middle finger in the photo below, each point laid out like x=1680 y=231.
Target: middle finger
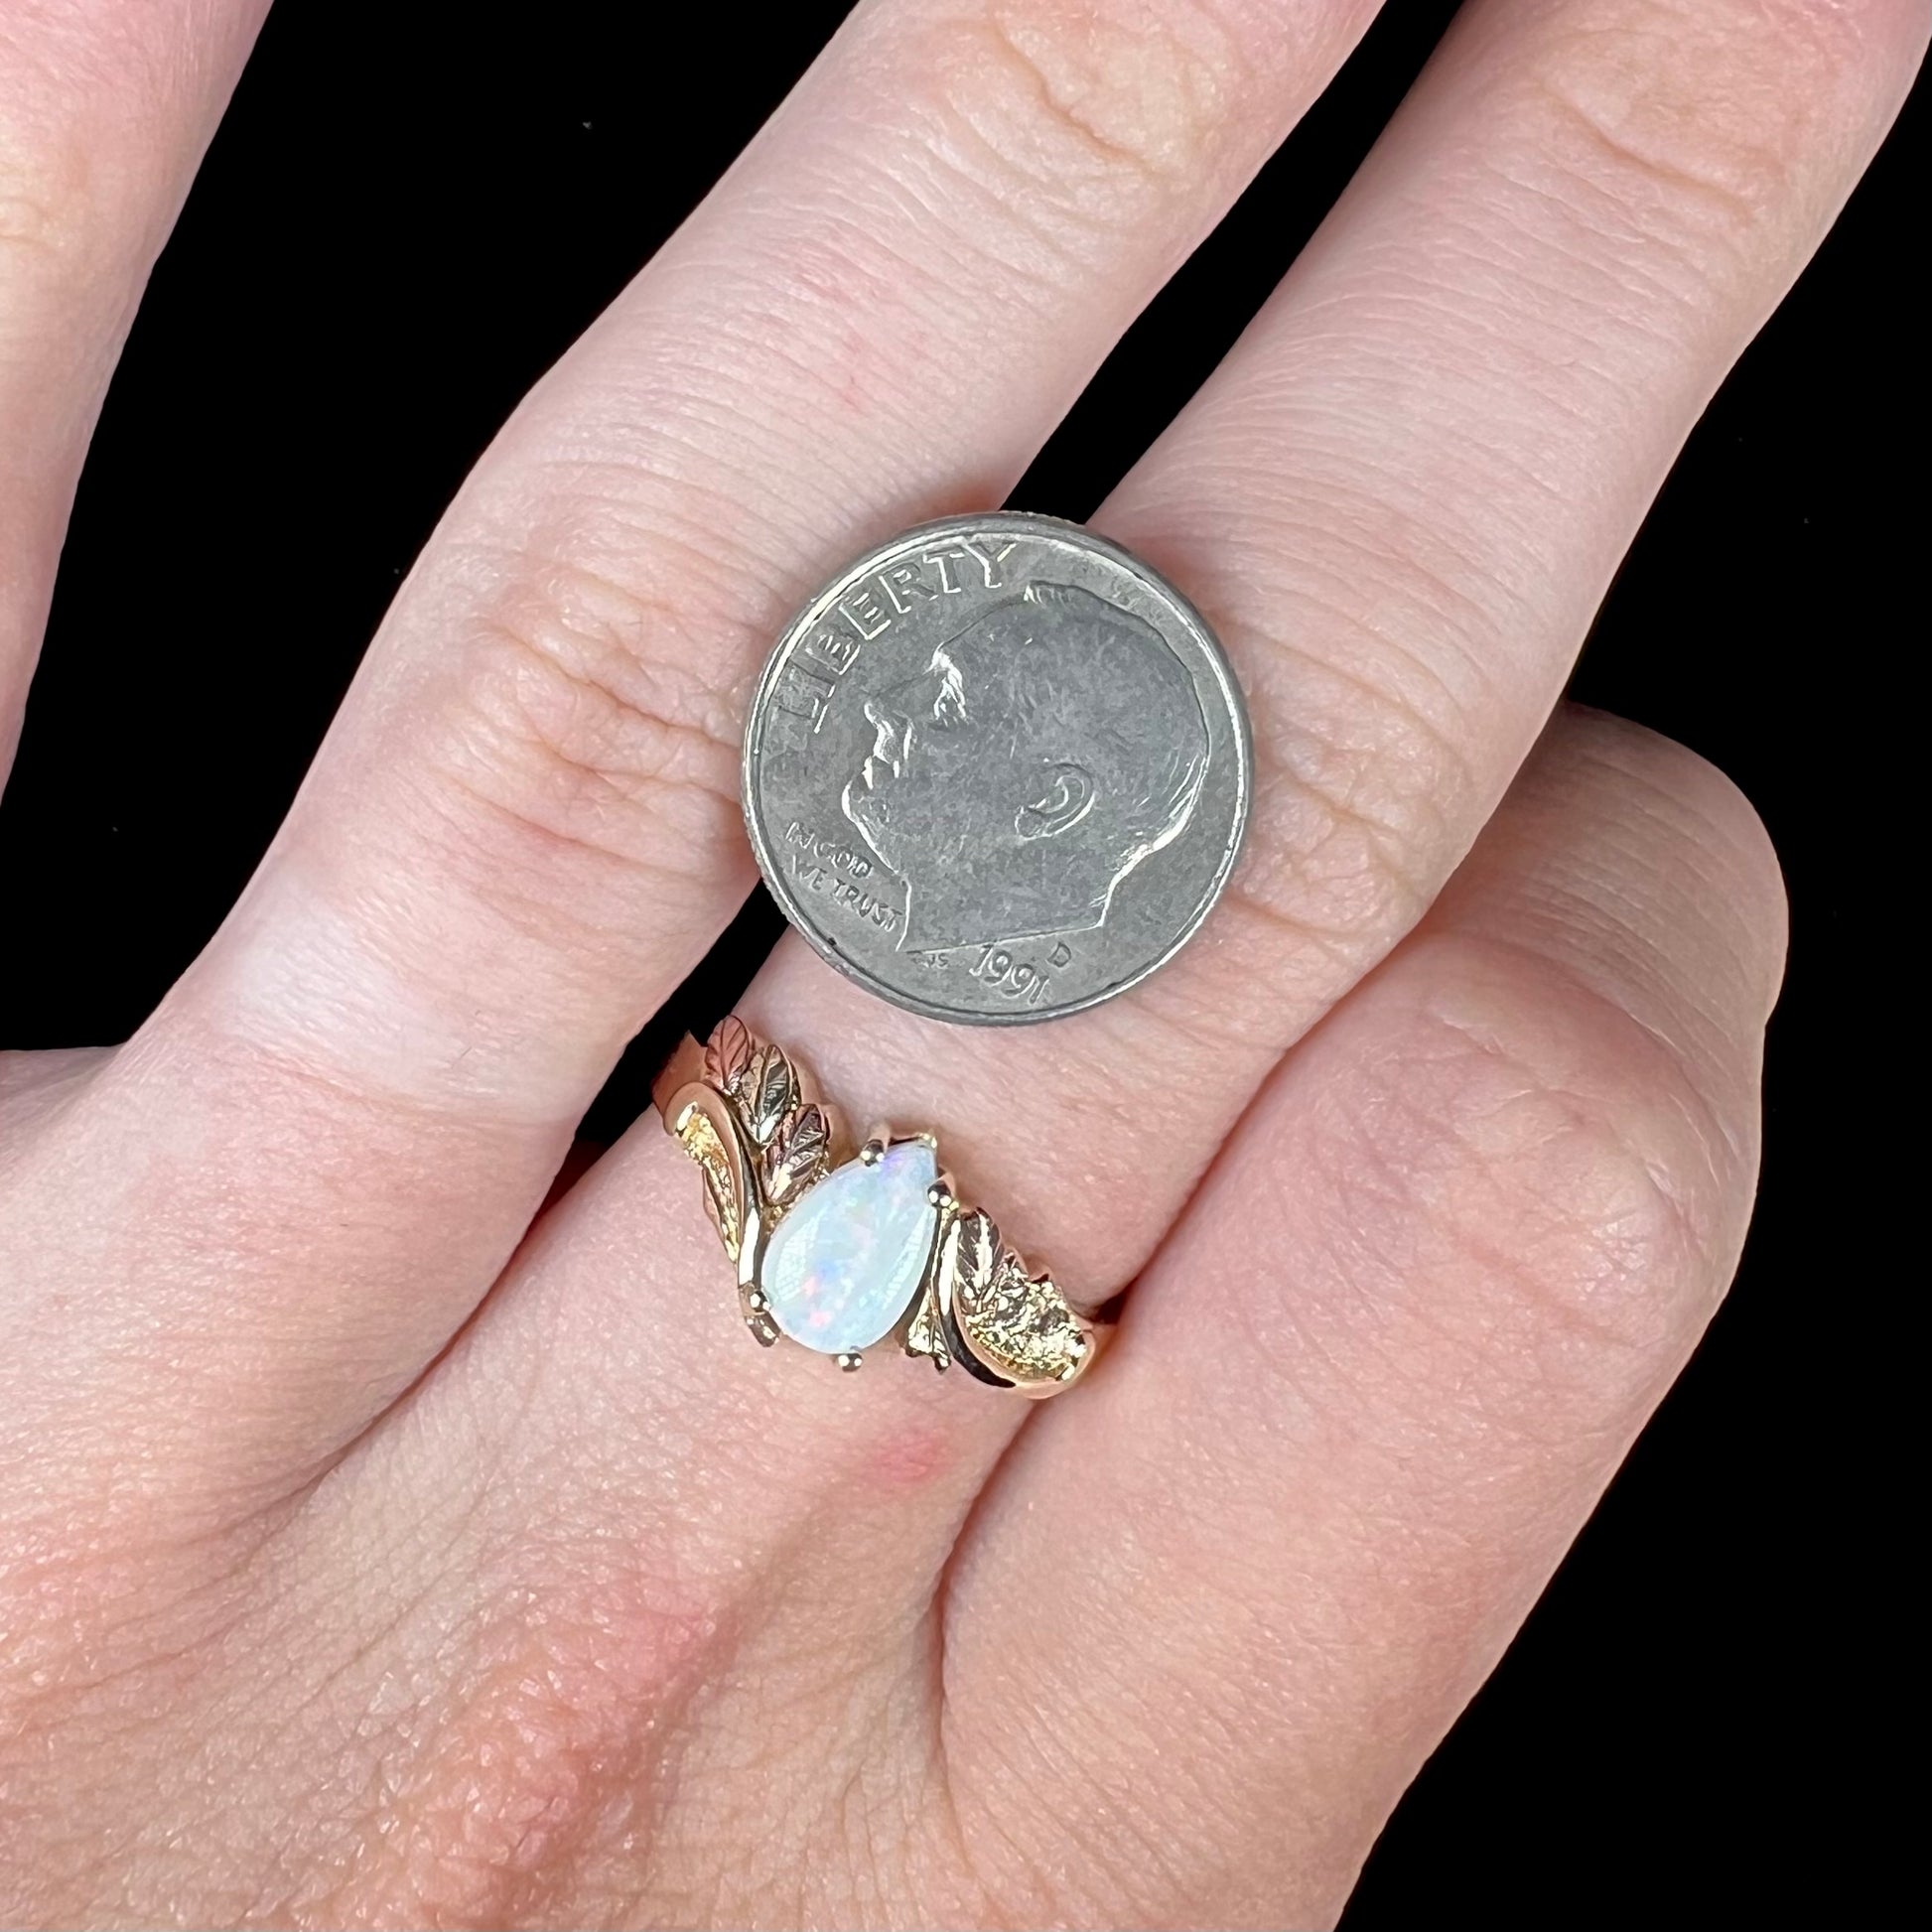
x=523 y=829
x=1399 y=500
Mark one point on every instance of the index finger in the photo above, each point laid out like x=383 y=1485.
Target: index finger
x=104 y=110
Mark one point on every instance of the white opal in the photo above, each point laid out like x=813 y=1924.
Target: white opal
x=843 y=1264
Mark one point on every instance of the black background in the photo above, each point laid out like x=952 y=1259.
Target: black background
x=394 y=235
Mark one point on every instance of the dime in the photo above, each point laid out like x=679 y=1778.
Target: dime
x=998 y=769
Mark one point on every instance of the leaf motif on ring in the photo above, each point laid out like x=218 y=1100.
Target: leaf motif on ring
x=797 y=1155
x=728 y=1053
x=925 y=1336
x=969 y=1258
x=699 y=1138
x=767 y=1093
x=1019 y=1325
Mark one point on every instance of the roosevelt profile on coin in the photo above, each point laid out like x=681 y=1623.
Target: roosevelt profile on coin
x=1049 y=757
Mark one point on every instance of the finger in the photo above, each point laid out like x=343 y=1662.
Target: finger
x=1403 y=602
x=523 y=828
x=1378 y=1378
x=1399 y=500
x=104 y=111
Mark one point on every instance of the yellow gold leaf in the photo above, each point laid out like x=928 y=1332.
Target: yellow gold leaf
x=923 y=1335
x=699 y=1138
x=970 y=1257
x=1020 y=1326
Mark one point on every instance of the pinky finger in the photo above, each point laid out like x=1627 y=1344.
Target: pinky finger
x=1378 y=1377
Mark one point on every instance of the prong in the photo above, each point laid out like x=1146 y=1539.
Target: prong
x=927 y=1140
x=755 y=1299
x=939 y=1194
x=848 y=1361
x=872 y=1152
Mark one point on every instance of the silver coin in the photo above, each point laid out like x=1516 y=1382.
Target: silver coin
x=998 y=769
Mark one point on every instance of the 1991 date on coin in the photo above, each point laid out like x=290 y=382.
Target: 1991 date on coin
x=998 y=769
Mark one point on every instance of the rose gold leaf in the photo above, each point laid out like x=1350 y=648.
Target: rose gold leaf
x=727 y=1053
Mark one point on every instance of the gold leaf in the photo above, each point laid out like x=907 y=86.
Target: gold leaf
x=797 y=1155
x=767 y=1093
x=1020 y=1326
x=699 y=1138
x=806 y=1136
x=971 y=1256
x=923 y=1335
x=727 y=1053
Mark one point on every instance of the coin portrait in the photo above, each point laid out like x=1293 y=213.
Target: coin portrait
x=1056 y=764
x=996 y=770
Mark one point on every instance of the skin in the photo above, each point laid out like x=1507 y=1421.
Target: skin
x=375 y=1548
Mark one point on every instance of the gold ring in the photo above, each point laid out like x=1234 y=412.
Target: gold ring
x=841 y=1249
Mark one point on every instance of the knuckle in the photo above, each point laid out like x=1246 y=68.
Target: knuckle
x=1542 y=1139
x=1356 y=803
x=1363 y=783
x=1704 y=120
x=1100 y=105
x=1374 y=686
x=589 y=712
x=1713 y=893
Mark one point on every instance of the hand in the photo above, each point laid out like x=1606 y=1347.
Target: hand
x=376 y=1548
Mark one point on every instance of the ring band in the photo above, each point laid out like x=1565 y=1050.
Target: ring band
x=840 y=1251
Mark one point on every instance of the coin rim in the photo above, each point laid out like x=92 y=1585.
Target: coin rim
x=1025 y=524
